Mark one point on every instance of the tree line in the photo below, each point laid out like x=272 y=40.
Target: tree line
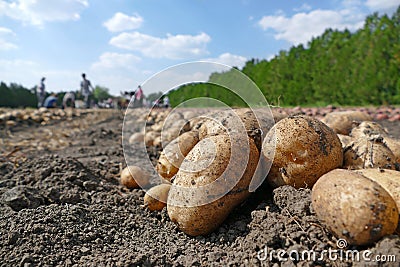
x=338 y=67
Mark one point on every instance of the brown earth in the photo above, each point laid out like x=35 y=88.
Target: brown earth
x=61 y=205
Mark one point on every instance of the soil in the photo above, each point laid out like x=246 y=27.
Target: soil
x=61 y=204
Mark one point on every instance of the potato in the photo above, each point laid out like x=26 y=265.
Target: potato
x=156 y=197
x=157 y=127
x=301 y=150
x=394 y=145
x=372 y=129
x=367 y=129
x=174 y=153
x=149 y=137
x=213 y=180
x=368 y=153
x=353 y=207
x=342 y=121
x=255 y=122
x=157 y=141
x=136 y=138
x=134 y=177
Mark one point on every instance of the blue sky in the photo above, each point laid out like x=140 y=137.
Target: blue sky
x=121 y=43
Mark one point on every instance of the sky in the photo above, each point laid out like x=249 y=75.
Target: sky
x=121 y=44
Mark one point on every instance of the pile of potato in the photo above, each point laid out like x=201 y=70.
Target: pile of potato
x=41 y=116
x=211 y=163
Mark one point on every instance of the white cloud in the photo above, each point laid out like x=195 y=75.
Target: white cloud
x=121 y=22
x=5 y=34
x=229 y=59
x=172 y=47
x=304 y=7
x=301 y=27
x=37 y=12
x=382 y=5
x=111 y=60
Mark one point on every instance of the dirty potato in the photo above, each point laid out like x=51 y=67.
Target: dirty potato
x=369 y=152
x=213 y=180
x=301 y=149
x=354 y=207
x=369 y=129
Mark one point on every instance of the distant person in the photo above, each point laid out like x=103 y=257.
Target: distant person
x=51 y=101
x=139 y=96
x=86 y=90
x=166 y=102
x=69 y=100
x=41 y=92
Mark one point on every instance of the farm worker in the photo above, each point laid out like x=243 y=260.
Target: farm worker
x=69 y=100
x=85 y=90
x=166 y=102
x=51 y=101
x=139 y=96
x=41 y=92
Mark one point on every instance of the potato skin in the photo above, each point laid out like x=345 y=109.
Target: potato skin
x=301 y=149
x=345 y=140
x=156 y=197
x=388 y=179
x=186 y=198
x=134 y=177
x=255 y=122
x=353 y=207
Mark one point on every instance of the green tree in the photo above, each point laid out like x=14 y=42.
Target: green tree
x=101 y=93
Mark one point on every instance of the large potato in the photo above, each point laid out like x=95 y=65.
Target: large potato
x=301 y=149
x=354 y=207
x=174 y=153
x=213 y=179
x=342 y=121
